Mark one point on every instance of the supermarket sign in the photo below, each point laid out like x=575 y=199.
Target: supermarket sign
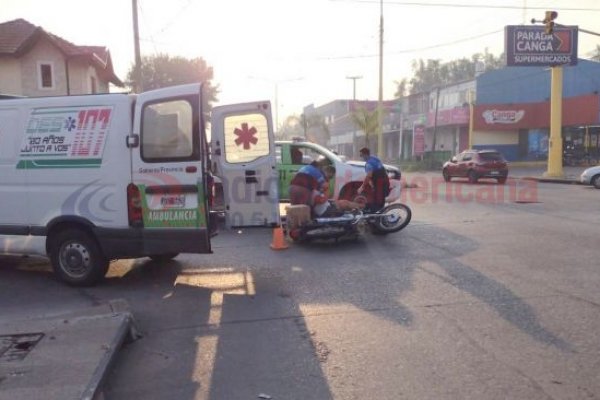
x=531 y=46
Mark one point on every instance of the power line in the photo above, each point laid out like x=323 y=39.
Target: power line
x=435 y=46
x=174 y=19
x=419 y=4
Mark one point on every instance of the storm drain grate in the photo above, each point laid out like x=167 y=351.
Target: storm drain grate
x=16 y=347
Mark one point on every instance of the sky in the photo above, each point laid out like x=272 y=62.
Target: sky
x=299 y=52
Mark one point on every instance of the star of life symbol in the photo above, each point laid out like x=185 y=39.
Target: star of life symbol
x=245 y=136
x=70 y=124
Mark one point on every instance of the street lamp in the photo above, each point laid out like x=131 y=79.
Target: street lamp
x=354 y=78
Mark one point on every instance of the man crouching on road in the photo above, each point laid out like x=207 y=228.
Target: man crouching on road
x=310 y=186
x=308 y=179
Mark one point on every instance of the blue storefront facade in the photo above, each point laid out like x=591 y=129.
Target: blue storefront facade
x=511 y=112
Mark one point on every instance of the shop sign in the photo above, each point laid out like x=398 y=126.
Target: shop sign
x=531 y=46
x=503 y=116
x=418 y=140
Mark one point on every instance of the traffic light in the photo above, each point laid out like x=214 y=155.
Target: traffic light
x=549 y=21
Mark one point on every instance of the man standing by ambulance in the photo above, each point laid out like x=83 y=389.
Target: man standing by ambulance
x=376 y=184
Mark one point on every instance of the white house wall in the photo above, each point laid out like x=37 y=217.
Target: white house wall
x=10 y=78
x=22 y=76
x=43 y=52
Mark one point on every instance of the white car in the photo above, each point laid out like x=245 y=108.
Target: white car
x=292 y=155
x=591 y=176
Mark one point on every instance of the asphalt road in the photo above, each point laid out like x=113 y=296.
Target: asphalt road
x=490 y=293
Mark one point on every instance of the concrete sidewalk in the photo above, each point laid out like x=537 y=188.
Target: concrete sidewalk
x=571 y=174
x=62 y=357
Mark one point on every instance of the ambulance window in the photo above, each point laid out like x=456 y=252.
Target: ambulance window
x=167 y=131
x=246 y=138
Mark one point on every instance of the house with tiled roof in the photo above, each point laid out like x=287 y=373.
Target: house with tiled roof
x=34 y=62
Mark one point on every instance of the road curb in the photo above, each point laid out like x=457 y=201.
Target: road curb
x=551 y=180
x=94 y=387
x=63 y=356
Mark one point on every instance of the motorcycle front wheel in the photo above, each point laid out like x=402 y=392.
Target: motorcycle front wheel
x=393 y=218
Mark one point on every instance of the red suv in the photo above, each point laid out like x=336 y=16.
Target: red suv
x=475 y=164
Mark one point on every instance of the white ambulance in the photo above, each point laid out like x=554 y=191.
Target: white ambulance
x=88 y=179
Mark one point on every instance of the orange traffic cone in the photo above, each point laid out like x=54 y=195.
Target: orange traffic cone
x=278 y=239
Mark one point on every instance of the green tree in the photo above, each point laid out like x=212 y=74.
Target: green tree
x=162 y=70
x=365 y=121
x=401 y=88
x=292 y=127
x=312 y=127
x=431 y=73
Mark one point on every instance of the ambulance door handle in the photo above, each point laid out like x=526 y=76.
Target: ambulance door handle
x=250 y=176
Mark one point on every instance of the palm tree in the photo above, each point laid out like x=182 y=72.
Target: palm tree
x=366 y=121
x=316 y=128
x=312 y=127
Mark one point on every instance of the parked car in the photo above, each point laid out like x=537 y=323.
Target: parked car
x=591 y=176
x=476 y=164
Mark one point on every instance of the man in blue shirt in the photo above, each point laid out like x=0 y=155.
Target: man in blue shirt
x=376 y=184
x=308 y=180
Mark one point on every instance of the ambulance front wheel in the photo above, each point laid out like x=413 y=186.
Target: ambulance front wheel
x=76 y=258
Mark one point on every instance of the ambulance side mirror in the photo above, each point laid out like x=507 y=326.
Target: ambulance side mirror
x=133 y=141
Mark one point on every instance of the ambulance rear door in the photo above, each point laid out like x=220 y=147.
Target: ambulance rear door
x=243 y=158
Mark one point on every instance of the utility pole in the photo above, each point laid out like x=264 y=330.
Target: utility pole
x=471 y=116
x=138 y=87
x=555 y=144
x=380 y=100
x=354 y=78
x=437 y=102
x=555 y=165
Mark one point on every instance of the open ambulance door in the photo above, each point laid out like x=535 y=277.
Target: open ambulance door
x=167 y=196
x=243 y=157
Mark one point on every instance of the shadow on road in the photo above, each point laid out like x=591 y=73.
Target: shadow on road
x=445 y=248
x=231 y=325
x=211 y=333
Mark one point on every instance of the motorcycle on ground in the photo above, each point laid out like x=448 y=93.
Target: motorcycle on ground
x=349 y=224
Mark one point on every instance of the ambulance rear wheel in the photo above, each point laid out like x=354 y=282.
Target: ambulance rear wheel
x=76 y=258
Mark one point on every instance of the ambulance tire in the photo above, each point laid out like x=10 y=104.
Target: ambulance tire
x=76 y=258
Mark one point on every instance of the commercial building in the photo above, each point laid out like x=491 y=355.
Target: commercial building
x=512 y=111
